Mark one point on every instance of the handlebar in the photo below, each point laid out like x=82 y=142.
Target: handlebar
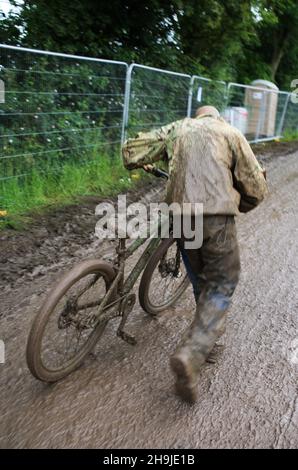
x=159 y=173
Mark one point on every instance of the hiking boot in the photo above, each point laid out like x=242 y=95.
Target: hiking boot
x=186 y=371
x=197 y=343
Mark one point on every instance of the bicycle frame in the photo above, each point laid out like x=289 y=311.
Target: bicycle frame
x=142 y=261
x=120 y=288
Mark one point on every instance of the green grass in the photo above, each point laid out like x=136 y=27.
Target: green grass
x=102 y=176
x=289 y=136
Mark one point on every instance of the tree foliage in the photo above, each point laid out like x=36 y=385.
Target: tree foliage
x=221 y=38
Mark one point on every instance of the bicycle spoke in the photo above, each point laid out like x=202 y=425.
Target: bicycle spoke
x=67 y=332
x=169 y=276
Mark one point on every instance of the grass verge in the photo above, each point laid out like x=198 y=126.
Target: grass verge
x=289 y=136
x=103 y=177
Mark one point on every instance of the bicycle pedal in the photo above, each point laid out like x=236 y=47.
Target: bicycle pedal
x=108 y=257
x=127 y=337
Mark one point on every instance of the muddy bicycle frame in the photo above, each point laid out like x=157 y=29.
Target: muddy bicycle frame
x=120 y=288
x=118 y=295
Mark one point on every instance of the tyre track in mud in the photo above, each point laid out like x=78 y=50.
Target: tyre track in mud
x=123 y=396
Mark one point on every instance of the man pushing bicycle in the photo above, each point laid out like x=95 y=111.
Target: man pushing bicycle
x=210 y=162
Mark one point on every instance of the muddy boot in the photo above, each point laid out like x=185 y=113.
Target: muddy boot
x=194 y=350
x=185 y=365
x=218 y=346
x=187 y=361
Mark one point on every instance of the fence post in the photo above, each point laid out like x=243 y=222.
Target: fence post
x=2 y=91
x=227 y=97
x=282 y=119
x=261 y=115
x=126 y=103
x=190 y=94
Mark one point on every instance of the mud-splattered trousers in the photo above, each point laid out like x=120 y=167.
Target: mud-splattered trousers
x=214 y=272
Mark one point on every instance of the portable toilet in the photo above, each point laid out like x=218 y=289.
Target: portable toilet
x=262 y=108
x=237 y=117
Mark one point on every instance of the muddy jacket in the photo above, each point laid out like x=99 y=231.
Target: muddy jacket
x=209 y=162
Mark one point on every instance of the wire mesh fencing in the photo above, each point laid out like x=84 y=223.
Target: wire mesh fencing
x=257 y=111
x=290 y=116
x=154 y=97
x=59 y=111
x=204 y=91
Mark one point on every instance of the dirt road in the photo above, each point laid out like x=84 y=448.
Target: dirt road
x=123 y=396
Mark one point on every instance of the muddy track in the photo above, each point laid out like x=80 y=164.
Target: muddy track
x=123 y=396
x=57 y=236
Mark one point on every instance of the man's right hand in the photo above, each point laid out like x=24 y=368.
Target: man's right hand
x=263 y=171
x=148 y=168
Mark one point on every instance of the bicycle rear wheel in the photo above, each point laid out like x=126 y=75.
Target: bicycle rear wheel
x=62 y=333
x=164 y=279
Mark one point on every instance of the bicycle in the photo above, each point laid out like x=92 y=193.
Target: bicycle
x=94 y=292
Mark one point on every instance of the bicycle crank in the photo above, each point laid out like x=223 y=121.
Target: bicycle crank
x=126 y=307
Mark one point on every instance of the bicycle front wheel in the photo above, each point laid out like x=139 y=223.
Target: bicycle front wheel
x=164 y=279
x=62 y=333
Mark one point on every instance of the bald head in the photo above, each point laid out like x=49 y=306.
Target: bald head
x=210 y=110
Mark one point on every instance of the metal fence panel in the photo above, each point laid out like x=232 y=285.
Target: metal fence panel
x=59 y=110
x=290 y=118
x=258 y=112
x=204 y=91
x=154 y=97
